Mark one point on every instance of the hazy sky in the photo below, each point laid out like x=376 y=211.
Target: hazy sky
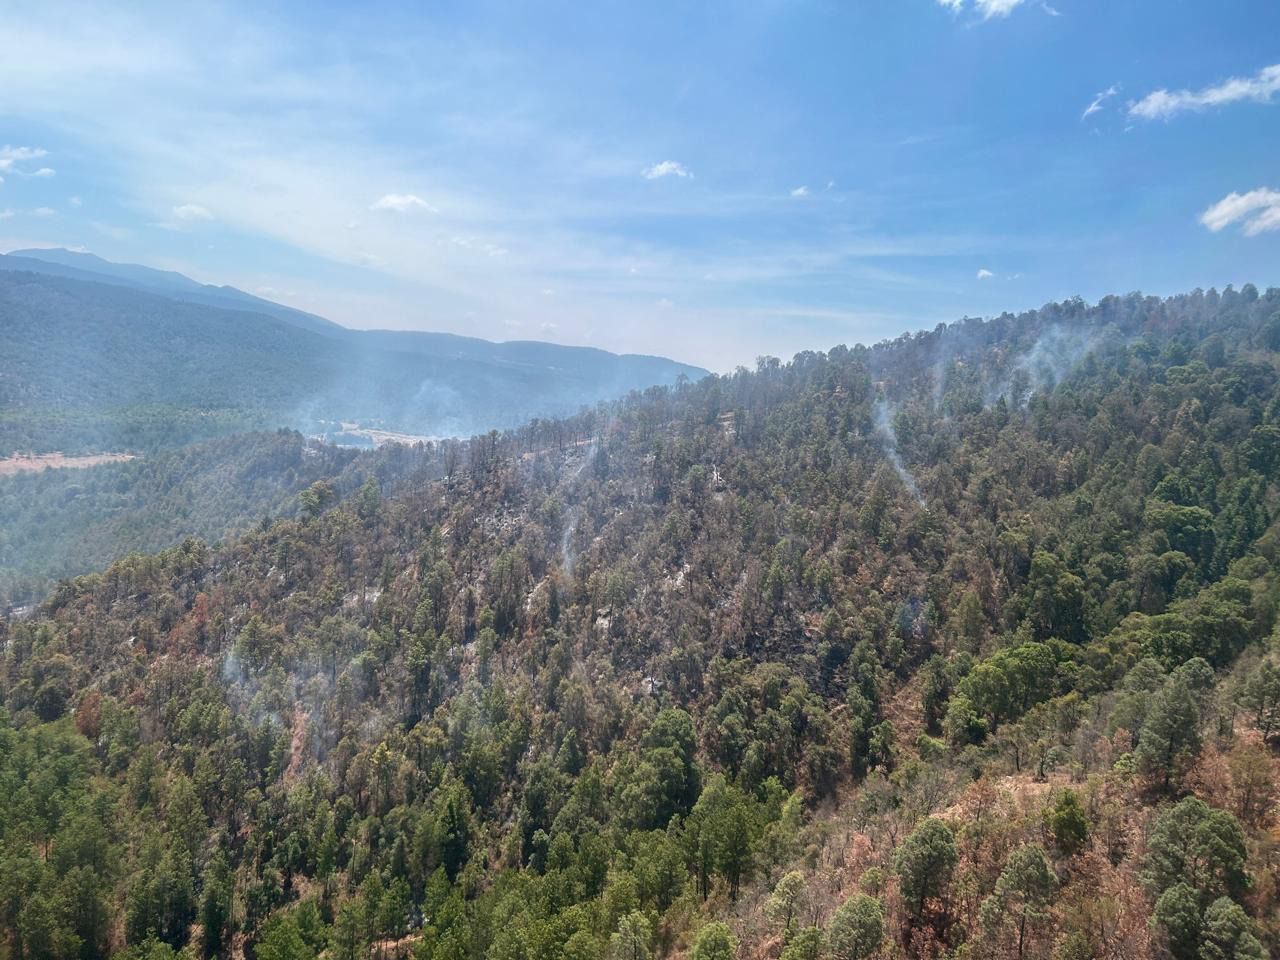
x=709 y=181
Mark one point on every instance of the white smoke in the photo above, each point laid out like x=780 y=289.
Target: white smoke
x=568 y=554
x=1056 y=353
x=884 y=426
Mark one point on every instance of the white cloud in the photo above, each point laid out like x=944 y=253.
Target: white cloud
x=988 y=9
x=44 y=212
x=402 y=203
x=13 y=155
x=985 y=274
x=1258 y=209
x=996 y=8
x=482 y=246
x=44 y=172
x=667 y=168
x=1268 y=219
x=1163 y=104
x=190 y=212
x=5 y=214
x=800 y=192
x=1099 y=100
x=74 y=202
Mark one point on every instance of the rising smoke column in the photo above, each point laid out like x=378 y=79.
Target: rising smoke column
x=889 y=437
x=1056 y=353
x=567 y=554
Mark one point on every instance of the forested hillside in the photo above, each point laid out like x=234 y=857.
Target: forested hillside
x=962 y=645
x=89 y=366
x=66 y=522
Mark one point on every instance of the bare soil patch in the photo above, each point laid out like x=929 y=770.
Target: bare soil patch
x=24 y=463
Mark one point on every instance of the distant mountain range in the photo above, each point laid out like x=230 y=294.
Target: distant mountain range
x=166 y=283
x=97 y=355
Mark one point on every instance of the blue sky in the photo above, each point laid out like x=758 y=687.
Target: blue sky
x=707 y=181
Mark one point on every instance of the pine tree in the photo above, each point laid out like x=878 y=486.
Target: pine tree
x=924 y=863
x=1170 y=738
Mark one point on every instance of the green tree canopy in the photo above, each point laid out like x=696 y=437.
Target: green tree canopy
x=924 y=863
x=857 y=928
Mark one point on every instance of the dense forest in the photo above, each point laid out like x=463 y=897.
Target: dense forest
x=962 y=645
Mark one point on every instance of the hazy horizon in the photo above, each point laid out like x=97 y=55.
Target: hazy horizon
x=710 y=368
x=762 y=179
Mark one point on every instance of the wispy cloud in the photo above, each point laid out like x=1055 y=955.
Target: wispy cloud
x=1099 y=100
x=191 y=212
x=800 y=192
x=1259 y=210
x=989 y=9
x=109 y=230
x=985 y=274
x=5 y=214
x=45 y=212
x=74 y=201
x=477 y=244
x=1163 y=104
x=996 y=8
x=667 y=168
x=44 y=172
x=214 y=108
x=10 y=157
x=402 y=203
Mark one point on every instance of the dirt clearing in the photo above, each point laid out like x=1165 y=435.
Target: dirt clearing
x=23 y=463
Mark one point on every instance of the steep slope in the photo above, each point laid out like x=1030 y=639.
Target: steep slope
x=959 y=643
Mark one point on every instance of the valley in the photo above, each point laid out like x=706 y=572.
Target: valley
x=350 y=433
x=102 y=356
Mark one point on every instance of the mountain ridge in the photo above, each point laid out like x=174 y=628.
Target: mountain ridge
x=89 y=266
x=87 y=364
x=168 y=283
